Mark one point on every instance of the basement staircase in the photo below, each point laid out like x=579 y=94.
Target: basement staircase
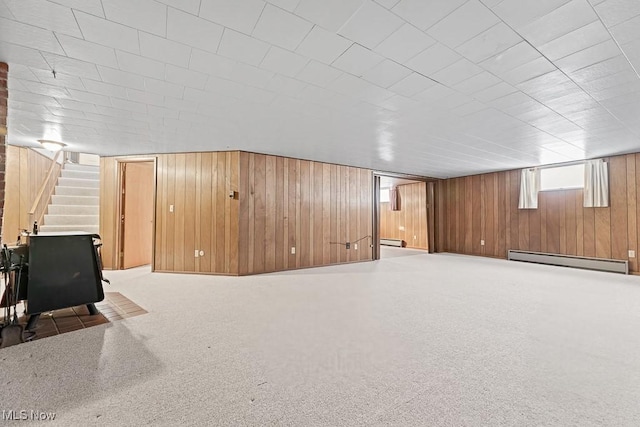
x=75 y=203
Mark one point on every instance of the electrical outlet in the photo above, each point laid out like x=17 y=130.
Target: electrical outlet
x=170 y=208
x=196 y=254
x=293 y=250
x=201 y=253
x=355 y=246
x=632 y=254
x=348 y=245
x=481 y=242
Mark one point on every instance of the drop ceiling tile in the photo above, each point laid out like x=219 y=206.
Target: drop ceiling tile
x=389 y=4
x=285 y=85
x=184 y=77
x=258 y=96
x=189 y=6
x=242 y=48
x=211 y=63
x=517 y=13
x=386 y=73
x=250 y=75
x=127 y=105
x=144 y=97
x=463 y=24
x=88 y=51
x=329 y=14
x=14 y=54
x=433 y=59
x=567 y=18
x=404 y=44
x=602 y=69
x=145 y=15
x=318 y=73
x=94 y=7
x=140 y=65
x=348 y=84
x=357 y=60
x=61 y=112
x=46 y=89
x=530 y=70
x=281 y=28
x=70 y=104
x=575 y=41
x=164 y=50
x=626 y=31
x=121 y=78
x=283 y=62
x=238 y=15
x=154 y=110
x=589 y=56
x=89 y=97
x=34 y=98
x=511 y=58
x=491 y=42
x=193 y=31
x=457 y=72
x=423 y=14
x=65 y=65
x=614 y=12
x=370 y=25
x=108 y=33
x=494 y=92
x=101 y=88
x=289 y=5
x=169 y=90
x=477 y=83
x=323 y=45
x=49 y=16
x=29 y=36
x=412 y=85
x=64 y=80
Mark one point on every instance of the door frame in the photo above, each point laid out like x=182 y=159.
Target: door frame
x=430 y=197
x=120 y=162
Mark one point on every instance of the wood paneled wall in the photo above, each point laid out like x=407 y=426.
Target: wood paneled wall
x=311 y=206
x=485 y=207
x=25 y=171
x=410 y=222
x=204 y=217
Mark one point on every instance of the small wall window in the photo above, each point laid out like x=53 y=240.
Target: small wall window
x=384 y=195
x=562 y=178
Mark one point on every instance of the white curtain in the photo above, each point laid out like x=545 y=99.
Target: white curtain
x=596 y=184
x=529 y=187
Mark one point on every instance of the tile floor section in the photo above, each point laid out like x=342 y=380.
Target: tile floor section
x=115 y=306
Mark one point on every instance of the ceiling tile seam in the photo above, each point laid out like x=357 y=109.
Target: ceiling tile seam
x=13 y=17
x=104 y=13
x=34 y=26
x=439 y=20
x=199 y=7
x=614 y=39
x=563 y=72
x=258 y=20
x=491 y=154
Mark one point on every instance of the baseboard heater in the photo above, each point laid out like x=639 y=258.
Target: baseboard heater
x=393 y=242
x=600 y=264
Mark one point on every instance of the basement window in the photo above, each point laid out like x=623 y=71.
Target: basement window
x=384 y=195
x=562 y=177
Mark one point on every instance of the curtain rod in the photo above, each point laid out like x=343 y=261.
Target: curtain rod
x=572 y=163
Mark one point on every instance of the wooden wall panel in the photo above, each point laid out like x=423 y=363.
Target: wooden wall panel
x=310 y=205
x=411 y=220
x=204 y=217
x=485 y=207
x=24 y=172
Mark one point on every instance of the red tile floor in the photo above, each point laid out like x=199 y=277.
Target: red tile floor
x=115 y=306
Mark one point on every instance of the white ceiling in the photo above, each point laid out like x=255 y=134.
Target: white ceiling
x=427 y=87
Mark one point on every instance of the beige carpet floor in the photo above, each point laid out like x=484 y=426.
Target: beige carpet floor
x=420 y=340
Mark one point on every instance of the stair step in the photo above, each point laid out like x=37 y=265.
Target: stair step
x=75 y=182
x=77 y=191
x=57 y=199
x=56 y=209
x=83 y=168
x=71 y=220
x=56 y=228
x=80 y=174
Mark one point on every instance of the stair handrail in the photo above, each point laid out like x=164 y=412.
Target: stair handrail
x=36 y=213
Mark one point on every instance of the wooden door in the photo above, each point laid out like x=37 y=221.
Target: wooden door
x=137 y=214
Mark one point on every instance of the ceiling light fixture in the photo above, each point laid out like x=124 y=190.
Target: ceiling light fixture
x=51 y=145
